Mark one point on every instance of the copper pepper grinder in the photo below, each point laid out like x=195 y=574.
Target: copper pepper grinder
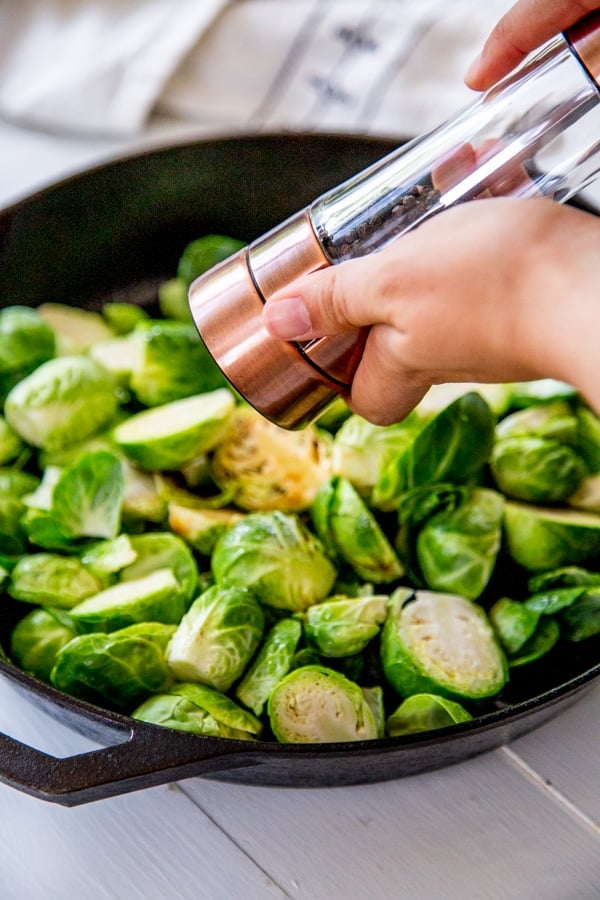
x=535 y=133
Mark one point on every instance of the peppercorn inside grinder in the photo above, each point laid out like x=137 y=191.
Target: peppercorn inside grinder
x=536 y=133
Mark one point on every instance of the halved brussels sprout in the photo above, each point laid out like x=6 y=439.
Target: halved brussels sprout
x=264 y=467
x=271 y=663
x=201 y=528
x=170 y=363
x=425 y=712
x=276 y=556
x=361 y=450
x=62 y=402
x=199 y=709
x=554 y=421
x=217 y=637
x=36 y=640
x=155 y=598
x=440 y=644
x=163 y=550
x=75 y=328
x=168 y=436
x=49 y=579
x=343 y=626
x=346 y=525
x=118 y=669
x=105 y=558
x=315 y=704
x=452 y=447
x=541 y=538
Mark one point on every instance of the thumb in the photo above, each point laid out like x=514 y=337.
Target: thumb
x=329 y=301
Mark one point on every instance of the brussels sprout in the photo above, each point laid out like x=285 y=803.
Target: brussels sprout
x=142 y=501
x=49 y=579
x=75 y=329
x=201 y=710
x=271 y=663
x=315 y=704
x=360 y=449
x=442 y=644
x=163 y=550
x=345 y=524
x=201 y=528
x=87 y=497
x=119 y=669
x=15 y=483
x=169 y=436
x=453 y=446
x=275 y=555
x=117 y=356
x=170 y=363
x=11 y=445
x=12 y=533
x=540 y=538
x=425 y=712
x=105 y=558
x=63 y=401
x=343 y=626
x=217 y=637
x=202 y=254
x=554 y=421
x=42 y=531
x=173 y=300
x=266 y=467
x=155 y=598
x=123 y=317
x=26 y=341
x=513 y=622
x=536 y=469
x=587 y=496
x=450 y=537
x=36 y=639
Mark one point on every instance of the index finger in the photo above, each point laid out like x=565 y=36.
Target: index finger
x=527 y=25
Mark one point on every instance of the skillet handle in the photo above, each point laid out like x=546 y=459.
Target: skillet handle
x=149 y=755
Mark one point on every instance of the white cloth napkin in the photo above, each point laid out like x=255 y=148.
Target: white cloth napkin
x=108 y=66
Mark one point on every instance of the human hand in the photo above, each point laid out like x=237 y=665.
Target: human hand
x=524 y=27
x=490 y=291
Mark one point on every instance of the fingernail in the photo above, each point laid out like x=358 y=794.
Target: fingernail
x=287 y=319
x=473 y=68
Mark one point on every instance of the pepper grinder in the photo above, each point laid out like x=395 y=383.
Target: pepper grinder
x=535 y=133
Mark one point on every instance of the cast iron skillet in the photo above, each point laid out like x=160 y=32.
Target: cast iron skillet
x=116 y=231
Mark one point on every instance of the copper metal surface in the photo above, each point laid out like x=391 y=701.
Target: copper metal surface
x=584 y=37
x=288 y=383
x=271 y=375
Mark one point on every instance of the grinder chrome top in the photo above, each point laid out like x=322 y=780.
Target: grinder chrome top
x=536 y=133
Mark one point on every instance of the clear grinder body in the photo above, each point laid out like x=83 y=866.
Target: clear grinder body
x=536 y=133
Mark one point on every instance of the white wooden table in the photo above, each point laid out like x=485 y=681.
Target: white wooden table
x=518 y=823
